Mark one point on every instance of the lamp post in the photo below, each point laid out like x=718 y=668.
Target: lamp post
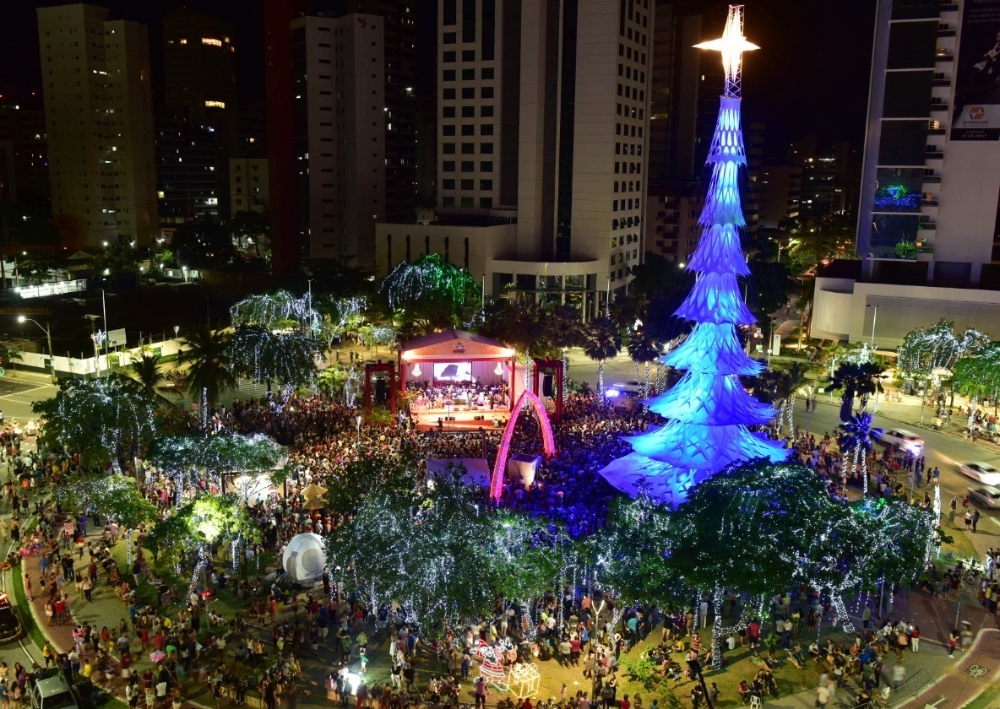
x=874 y=317
x=358 y=419
x=770 y=343
x=48 y=336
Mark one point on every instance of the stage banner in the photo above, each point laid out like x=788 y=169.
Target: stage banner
x=977 y=86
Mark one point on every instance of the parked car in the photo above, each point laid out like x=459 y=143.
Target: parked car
x=907 y=440
x=10 y=622
x=980 y=472
x=52 y=693
x=988 y=496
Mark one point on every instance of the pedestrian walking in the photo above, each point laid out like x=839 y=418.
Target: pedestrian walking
x=952 y=642
x=975 y=519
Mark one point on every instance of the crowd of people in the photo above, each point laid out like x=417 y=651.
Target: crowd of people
x=190 y=644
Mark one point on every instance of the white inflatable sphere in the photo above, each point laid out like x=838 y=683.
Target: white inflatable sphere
x=304 y=558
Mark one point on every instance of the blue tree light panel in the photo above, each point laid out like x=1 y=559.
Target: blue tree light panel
x=708 y=411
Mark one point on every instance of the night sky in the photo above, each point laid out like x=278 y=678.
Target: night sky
x=811 y=75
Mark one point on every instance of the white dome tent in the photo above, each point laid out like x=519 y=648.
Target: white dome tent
x=304 y=558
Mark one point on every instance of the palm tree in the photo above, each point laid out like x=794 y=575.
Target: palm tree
x=794 y=379
x=853 y=379
x=602 y=341
x=642 y=347
x=151 y=378
x=206 y=353
x=565 y=330
x=859 y=436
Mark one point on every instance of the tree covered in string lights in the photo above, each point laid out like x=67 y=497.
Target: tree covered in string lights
x=209 y=459
x=746 y=528
x=937 y=348
x=432 y=292
x=425 y=549
x=978 y=376
x=268 y=357
x=631 y=553
x=99 y=419
x=117 y=498
x=279 y=310
x=198 y=525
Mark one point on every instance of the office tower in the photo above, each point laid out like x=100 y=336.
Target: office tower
x=99 y=122
x=929 y=182
x=542 y=119
x=339 y=129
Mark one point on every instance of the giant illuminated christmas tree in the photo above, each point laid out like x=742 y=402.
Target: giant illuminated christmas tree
x=708 y=410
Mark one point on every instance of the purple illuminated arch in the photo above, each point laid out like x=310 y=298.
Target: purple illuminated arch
x=548 y=443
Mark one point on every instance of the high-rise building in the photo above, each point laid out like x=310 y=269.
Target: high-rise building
x=779 y=190
x=99 y=123
x=399 y=23
x=197 y=128
x=24 y=163
x=339 y=129
x=187 y=169
x=247 y=185
x=686 y=85
x=929 y=181
x=281 y=159
x=199 y=68
x=542 y=132
x=685 y=89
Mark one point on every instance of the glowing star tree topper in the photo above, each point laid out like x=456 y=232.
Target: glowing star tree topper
x=709 y=412
x=731 y=44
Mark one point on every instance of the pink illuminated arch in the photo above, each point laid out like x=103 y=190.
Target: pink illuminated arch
x=548 y=443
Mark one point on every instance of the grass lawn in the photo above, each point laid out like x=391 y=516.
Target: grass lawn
x=224 y=602
x=23 y=609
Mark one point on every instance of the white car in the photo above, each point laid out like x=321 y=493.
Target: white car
x=907 y=440
x=980 y=472
x=988 y=497
x=631 y=388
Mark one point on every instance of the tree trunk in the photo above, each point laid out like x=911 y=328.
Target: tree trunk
x=645 y=388
x=204 y=409
x=718 y=598
x=564 y=386
x=600 y=380
x=791 y=414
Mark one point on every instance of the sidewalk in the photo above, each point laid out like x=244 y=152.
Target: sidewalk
x=957 y=687
x=932 y=658
x=104 y=610
x=907 y=412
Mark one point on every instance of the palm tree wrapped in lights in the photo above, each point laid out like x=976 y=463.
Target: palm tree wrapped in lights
x=859 y=436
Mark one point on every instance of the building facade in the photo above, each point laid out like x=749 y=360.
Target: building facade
x=542 y=132
x=779 y=189
x=99 y=124
x=339 y=135
x=248 y=182
x=930 y=178
x=24 y=162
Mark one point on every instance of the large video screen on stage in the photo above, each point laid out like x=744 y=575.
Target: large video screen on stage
x=453 y=371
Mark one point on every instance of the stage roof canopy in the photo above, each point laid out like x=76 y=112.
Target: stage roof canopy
x=453 y=344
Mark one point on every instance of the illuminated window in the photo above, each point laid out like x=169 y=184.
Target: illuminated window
x=210 y=42
x=215 y=104
x=183 y=41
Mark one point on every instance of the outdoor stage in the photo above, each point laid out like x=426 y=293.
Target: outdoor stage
x=427 y=419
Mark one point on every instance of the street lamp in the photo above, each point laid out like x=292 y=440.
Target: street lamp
x=874 y=317
x=177 y=329
x=358 y=419
x=48 y=336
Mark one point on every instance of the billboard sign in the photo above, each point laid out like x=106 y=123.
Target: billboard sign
x=977 y=86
